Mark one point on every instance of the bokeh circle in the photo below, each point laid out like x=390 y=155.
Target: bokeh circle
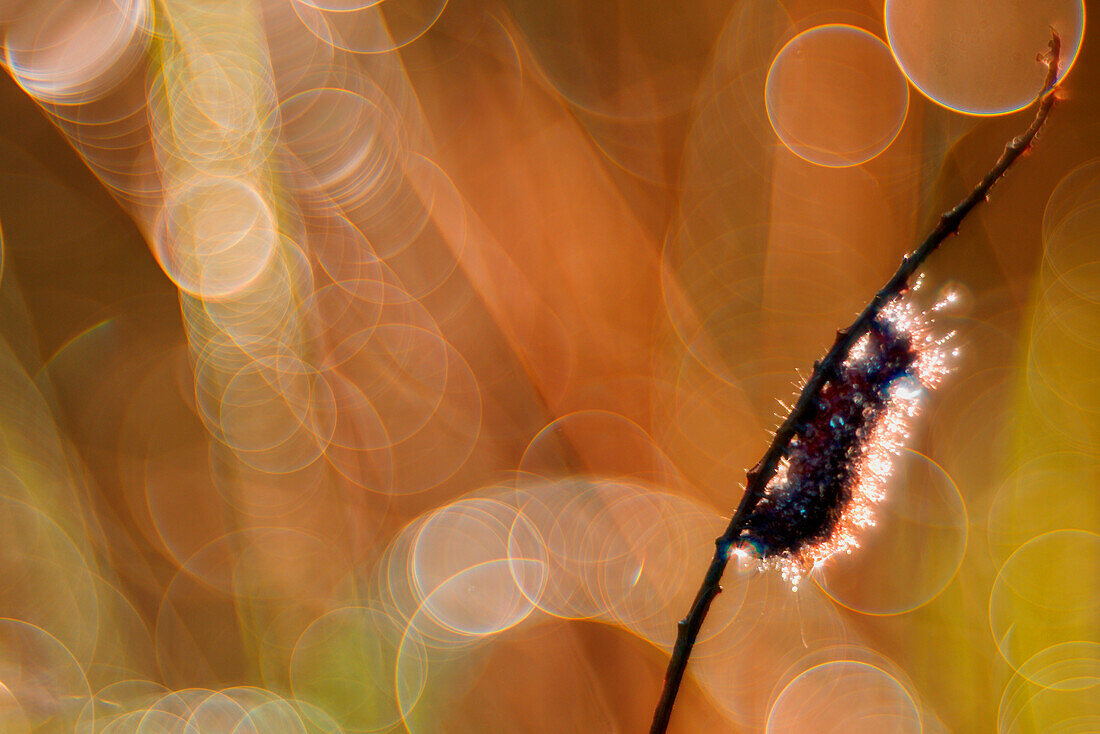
x=833 y=696
x=978 y=56
x=835 y=97
x=1045 y=594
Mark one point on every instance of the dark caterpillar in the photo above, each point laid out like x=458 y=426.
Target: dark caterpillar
x=837 y=464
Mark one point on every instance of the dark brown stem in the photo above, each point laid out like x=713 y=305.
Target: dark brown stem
x=759 y=476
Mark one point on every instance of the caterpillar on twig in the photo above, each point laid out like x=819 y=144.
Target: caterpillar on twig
x=839 y=457
x=802 y=504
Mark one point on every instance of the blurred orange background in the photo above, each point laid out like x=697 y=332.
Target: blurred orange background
x=392 y=366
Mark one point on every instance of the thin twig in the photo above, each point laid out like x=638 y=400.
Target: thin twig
x=824 y=371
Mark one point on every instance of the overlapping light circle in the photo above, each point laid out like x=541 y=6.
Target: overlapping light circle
x=834 y=96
